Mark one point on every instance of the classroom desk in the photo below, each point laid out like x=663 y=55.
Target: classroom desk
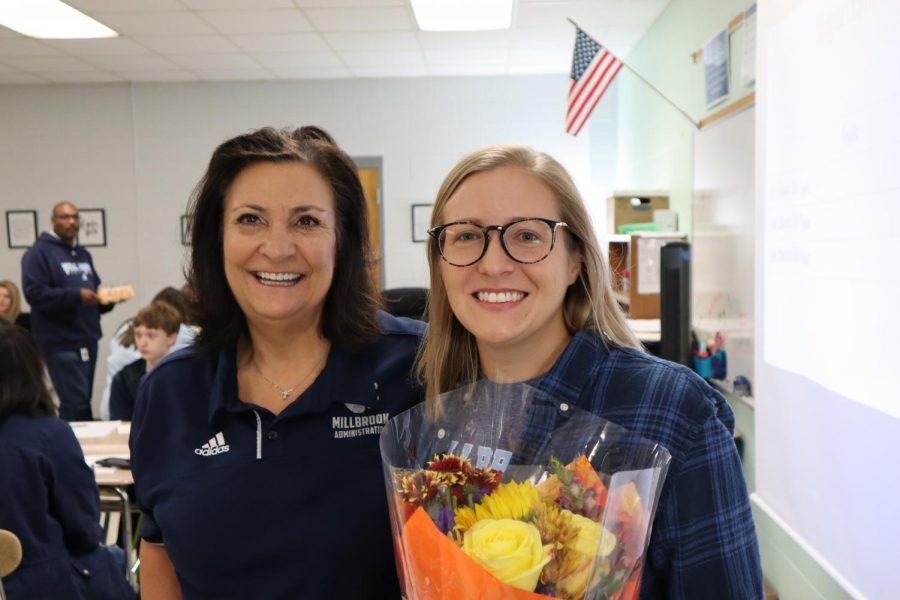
x=103 y=439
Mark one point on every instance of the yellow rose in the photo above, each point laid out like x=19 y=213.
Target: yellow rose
x=509 y=550
x=593 y=542
x=592 y=538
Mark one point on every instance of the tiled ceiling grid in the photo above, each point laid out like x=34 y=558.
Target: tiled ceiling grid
x=216 y=40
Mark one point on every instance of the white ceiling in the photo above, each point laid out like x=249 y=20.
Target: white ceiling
x=216 y=40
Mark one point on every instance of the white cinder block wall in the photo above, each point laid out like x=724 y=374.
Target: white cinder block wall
x=137 y=150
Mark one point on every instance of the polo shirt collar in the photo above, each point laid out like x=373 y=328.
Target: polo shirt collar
x=573 y=370
x=332 y=385
x=224 y=387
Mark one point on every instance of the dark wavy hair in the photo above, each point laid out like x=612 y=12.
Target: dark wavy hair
x=23 y=390
x=349 y=315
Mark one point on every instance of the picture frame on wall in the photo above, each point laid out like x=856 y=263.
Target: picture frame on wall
x=185 y=230
x=21 y=228
x=92 y=228
x=421 y=221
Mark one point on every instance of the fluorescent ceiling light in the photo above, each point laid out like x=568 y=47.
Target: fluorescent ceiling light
x=50 y=19
x=463 y=15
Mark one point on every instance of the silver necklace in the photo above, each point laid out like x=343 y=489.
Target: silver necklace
x=286 y=392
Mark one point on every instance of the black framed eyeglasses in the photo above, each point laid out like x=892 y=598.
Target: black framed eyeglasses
x=526 y=241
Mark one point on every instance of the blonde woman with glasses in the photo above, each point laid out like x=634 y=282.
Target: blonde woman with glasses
x=520 y=292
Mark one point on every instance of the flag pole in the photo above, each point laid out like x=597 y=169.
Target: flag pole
x=639 y=76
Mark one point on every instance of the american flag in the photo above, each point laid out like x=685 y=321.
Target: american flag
x=593 y=69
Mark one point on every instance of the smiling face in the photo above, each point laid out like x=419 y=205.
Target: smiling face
x=506 y=305
x=279 y=239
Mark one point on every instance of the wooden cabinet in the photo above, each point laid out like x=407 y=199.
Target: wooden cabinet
x=635 y=265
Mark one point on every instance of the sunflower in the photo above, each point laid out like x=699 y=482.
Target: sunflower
x=509 y=501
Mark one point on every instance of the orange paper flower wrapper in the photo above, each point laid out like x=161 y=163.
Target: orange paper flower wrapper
x=436 y=569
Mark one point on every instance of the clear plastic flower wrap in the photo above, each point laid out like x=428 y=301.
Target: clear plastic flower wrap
x=504 y=493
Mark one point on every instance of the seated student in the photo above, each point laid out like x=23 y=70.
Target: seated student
x=11 y=305
x=155 y=330
x=48 y=496
x=123 y=352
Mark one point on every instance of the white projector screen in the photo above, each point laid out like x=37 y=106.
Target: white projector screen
x=828 y=283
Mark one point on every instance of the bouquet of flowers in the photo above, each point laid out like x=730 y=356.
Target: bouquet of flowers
x=501 y=494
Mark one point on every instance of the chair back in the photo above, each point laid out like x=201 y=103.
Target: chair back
x=10 y=556
x=406 y=302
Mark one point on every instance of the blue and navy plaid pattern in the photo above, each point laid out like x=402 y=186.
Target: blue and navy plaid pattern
x=703 y=544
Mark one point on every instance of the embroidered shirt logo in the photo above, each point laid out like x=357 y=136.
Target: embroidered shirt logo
x=215 y=445
x=356 y=426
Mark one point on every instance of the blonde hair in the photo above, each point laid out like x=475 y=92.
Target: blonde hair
x=449 y=356
x=15 y=306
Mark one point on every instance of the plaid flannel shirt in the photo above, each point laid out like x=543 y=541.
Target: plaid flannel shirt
x=703 y=543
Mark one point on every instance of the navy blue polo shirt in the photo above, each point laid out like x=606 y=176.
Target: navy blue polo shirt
x=253 y=505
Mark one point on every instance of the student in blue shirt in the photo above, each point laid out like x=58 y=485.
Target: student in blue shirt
x=255 y=452
x=520 y=292
x=49 y=497
x=155 y=331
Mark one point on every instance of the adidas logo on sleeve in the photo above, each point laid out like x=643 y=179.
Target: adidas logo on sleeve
x=215 y=445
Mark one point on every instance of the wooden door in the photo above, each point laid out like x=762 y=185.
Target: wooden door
x=369 y=177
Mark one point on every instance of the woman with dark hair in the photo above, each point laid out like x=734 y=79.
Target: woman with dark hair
x=255 y=452
x=50 y=499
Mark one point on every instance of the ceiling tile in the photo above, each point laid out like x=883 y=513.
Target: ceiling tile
x=231 y=62
x=187 y=44
x=234 y=74
x=80 y=77
x=22 y=46
x=348 y=3
x=289 y=20
x=142 y=63
x=467 y=56
x=183 y=40
x=472 y=69
x=387 y=71
x=464 y=39
x=360 y=19
x=281 y=42
x=91 y=6
x=155 y=23
x=373 y=40
x=385 y=58
x=18 y=78
x=535 y=38
x=237 y=4
x=540 y=60
x=47 y=63
x=311 y=73
x=117 y=46
x=154 y=75
x=299 y=59
x=588 y=14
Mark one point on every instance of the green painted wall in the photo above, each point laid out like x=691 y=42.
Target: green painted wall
x=654 y=151
x=655 y=140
